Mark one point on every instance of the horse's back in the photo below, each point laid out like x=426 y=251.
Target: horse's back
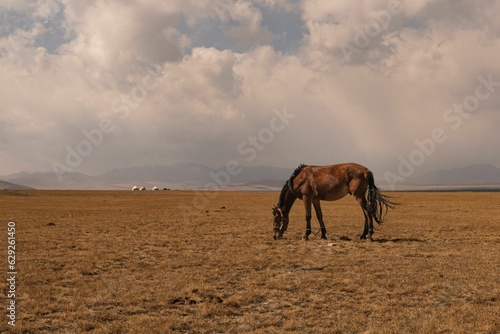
x=331 y=182
x=344 y=169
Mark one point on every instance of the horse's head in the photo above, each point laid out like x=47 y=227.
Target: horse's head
x=278 y=223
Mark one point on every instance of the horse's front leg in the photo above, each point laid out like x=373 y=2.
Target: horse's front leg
x=307 y=205
x=319 y=215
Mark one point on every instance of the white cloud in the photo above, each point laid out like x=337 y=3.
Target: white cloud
x=249 y=30
x=118 y=37
x=424 y=58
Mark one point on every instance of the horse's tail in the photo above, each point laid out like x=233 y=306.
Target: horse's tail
x=377 y=204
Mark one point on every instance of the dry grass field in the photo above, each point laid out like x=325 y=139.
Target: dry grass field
x=179 y=262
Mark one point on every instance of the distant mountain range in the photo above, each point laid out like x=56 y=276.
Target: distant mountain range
x=198 y=176
x=178 y=176
x=478 y=175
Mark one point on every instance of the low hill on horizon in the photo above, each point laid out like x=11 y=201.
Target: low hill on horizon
x=4 y=185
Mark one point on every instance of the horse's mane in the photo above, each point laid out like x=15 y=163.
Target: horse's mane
x=288 y=183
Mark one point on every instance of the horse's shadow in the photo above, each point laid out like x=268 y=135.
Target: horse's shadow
x=398 y=240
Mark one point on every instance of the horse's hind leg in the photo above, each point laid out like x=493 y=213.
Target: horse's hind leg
x=365 y=231
x=319 y=215
x=368 y=230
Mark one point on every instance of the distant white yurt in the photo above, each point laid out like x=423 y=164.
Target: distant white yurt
x=156 y=188
x=142 y=188
x=135 y=188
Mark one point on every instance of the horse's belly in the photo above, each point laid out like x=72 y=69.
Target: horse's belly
x=334 y=194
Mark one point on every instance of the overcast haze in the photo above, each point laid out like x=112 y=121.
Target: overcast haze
x=274 y=82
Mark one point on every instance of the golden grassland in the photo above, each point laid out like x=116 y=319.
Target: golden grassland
x=188 y=262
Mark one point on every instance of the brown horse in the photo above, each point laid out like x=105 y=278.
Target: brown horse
x=330 y=183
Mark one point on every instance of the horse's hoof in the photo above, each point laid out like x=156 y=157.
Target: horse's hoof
x=305 y=238
x=363 y=237
x=324 y=237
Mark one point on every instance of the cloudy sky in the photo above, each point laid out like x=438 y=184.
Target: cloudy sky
x=92 y=85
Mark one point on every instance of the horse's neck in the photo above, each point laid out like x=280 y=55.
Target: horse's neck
x=288 y=203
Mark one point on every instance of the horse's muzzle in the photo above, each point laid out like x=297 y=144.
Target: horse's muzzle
x=278 y=234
